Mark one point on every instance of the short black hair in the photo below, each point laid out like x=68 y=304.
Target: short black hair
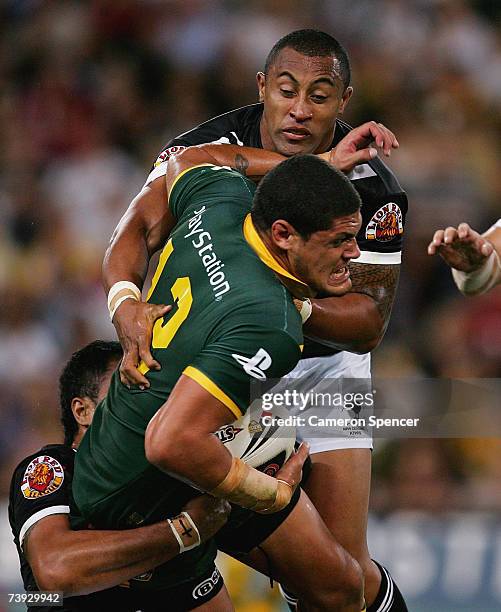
x=82 y=377
x=305 y=191
x=313 y=43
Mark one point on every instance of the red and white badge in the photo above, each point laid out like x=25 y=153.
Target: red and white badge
x=386 y=223
x=167 y=154
x=43 y=476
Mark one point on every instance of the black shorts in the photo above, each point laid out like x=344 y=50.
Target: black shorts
x=181 y=597
x=246 y=529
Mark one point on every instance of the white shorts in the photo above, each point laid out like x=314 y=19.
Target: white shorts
x=333 y=377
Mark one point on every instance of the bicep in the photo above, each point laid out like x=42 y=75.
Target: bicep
x=148 y=215
x=44 y=539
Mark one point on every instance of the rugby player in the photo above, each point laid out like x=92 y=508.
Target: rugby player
x=304 y=88
x=474 y=258
x=55 y=558
x=147 y=448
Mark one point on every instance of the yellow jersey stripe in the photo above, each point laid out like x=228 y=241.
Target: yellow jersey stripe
x=253 y=238
x=205 y=382
x=181 y=174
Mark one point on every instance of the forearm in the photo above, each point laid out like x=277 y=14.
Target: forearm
x=252 y=163
x=349 y=323
x=88 y=561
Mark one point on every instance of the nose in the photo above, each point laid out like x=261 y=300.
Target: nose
x=352 y=251
x=300 y=110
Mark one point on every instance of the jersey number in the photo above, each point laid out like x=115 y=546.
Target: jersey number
x=181 y=292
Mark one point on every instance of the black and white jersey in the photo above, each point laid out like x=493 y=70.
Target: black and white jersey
x=384 y=203
x=41 y=487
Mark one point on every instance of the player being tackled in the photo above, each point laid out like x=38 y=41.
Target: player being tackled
x=149 y=450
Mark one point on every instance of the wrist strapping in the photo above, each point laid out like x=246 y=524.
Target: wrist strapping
x=306 y=310
x=119 y=292
x=247 y=487
x=185 y=531
x=481 y=280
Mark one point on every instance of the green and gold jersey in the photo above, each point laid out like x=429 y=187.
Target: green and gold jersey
x=232 y=321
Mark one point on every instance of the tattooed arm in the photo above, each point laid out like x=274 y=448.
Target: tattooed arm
x=357 y=321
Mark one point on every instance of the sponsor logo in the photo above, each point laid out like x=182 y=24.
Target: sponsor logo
x=386 y=223
x=255 y=427
x=167 y=154
x=255 y=366
x=205 y=587
x=43 y=476
x=228 y=433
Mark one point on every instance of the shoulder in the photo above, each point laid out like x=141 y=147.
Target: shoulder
x=225 y=128
x=39 y=487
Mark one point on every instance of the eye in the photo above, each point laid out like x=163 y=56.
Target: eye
x=287 y=93
x=318 y=99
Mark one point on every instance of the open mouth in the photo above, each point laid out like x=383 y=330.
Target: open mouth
x=339 y=276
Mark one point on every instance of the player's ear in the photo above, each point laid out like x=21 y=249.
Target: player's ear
x=261 y=85
x=345 y=99
x=83 y=410
x=283 y=234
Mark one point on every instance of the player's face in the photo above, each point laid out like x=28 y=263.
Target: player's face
x=302 y=97
x=322 y=260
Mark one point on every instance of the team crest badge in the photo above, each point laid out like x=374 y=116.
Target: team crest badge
x=43 y=476
x=385 y=224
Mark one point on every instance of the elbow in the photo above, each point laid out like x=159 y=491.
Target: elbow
x=164 y=449
x=56 y=578
x=361 y=348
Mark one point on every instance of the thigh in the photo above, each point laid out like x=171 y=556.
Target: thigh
x=303 y=543
x=339 y=486
x=220 y=603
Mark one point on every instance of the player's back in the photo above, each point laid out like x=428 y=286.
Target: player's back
x=217 y=327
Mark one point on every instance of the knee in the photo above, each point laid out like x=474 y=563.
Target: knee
x=343 y=590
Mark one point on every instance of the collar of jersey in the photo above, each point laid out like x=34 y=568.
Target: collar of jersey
x=253 y=238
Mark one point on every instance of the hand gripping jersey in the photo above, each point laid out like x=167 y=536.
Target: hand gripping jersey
x=41 y=487
x=215 y=270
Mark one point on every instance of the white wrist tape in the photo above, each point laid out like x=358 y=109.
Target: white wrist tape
x=481 y=280
x=119 y=292
x=306 y=310
x=185 y=531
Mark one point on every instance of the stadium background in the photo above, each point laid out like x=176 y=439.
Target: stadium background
x=90 y=91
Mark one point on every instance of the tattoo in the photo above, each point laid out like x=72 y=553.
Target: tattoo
x=380 y=282
x=241 y=164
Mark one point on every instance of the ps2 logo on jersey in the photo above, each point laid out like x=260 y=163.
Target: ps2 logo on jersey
x=386 y=223
x=255 y=366
x=43 y=476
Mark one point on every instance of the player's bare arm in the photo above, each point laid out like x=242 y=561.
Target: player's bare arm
x=195 y=455
x=82 y=562
x=474 y=258
x=357 y=321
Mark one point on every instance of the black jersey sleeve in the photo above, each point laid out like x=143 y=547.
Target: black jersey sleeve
x=40 y=486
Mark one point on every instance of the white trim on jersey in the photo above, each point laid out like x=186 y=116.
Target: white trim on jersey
x=160 y=170
x=34 y=518
x=371 y=257
x=498 y=223
x=360 y=172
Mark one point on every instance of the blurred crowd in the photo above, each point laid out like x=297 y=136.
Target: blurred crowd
x=92 y=90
